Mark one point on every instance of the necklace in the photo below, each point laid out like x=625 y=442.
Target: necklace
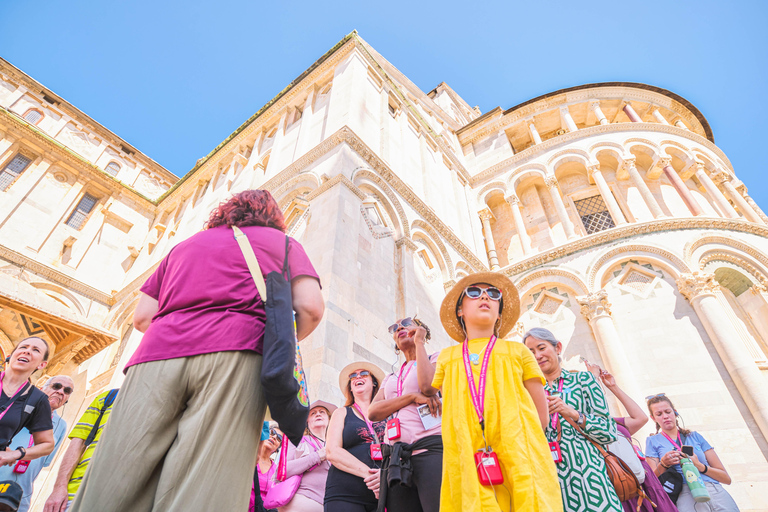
x=475 y=358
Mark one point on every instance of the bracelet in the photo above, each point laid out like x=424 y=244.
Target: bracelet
x=664 y=466
x=582 y=420
x=23 y=452
x=706 y=468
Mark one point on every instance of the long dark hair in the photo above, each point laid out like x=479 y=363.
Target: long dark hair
x=658 y=400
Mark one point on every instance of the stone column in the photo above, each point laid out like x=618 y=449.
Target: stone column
x=645 y=192
x=565 y=116
x=525 y=240
x=551 y=183
x=485 y=218
x=605 y=191
x=597 y=310
x=677 y=182
x=680 y=124
x=659 y=117
x=725 y=179
x=631 y=114
x=595 y=107
x=699 y=288
x=714 y=192
x=757 y=209
x=534 y=133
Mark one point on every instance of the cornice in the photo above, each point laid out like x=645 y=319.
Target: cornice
x=631 y=230
x=470 y=134
x=347 y=136
x=57 y=277
x=534 y=151
x=23 y=130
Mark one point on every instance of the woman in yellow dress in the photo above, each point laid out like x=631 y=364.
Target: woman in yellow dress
x=496 y=457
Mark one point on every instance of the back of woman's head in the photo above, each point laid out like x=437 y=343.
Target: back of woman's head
x=248 y=208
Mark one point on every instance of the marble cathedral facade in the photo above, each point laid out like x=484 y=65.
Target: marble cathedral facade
x=624 y=226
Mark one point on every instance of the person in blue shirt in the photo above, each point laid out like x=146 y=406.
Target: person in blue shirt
x=58 y=389
x=664 y=450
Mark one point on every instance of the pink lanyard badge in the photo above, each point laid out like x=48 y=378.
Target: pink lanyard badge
x=477 y=392
x=401 y=378
x=678 y=447
x=556 y=416
x=15 y=396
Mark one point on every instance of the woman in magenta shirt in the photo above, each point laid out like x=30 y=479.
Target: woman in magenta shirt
x=189 y=415
x=401 y=403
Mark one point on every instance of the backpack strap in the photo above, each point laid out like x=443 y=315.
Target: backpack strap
x=108 y=401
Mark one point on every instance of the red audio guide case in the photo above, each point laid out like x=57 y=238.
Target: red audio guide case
x=488 y=468
x=376 y=452
x=393 y=429
x=21 y=466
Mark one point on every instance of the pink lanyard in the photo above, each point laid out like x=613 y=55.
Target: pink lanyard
x=556 y=417
x=401 y=379
x=370 y=425
x=477 y=393
x=680 y=447
x=311 y=441
x=13 y=399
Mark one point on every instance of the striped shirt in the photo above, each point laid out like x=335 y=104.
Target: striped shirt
x=81 y=431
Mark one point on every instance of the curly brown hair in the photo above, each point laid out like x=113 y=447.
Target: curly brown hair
x=248 y=208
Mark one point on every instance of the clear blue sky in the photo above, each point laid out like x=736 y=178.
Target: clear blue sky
x=174 y=78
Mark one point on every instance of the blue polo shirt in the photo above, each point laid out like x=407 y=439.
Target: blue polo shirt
x=657 y=446
x=27 y=479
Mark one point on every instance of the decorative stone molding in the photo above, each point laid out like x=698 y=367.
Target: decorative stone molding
x=548 y=273
x=595 y=267
x=550 y=182
x=393 y=200
x=744 y=264
x=513 y=200
x=729 y=242
x=485 y=214
x=595 y=305
x=719 y=176
x=531 y=153
x=622 y=173
x=435 y=238
x=696 y=284
x=407 y=242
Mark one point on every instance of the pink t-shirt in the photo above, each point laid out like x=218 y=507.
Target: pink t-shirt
x=207 y=299
x=411 y=428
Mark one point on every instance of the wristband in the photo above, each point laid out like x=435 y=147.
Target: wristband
x=706 y=468
x=664 y=466
x=23 y=452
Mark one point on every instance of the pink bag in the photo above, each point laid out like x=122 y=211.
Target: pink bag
x=282 y=490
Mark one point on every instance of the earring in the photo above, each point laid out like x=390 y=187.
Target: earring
x=397 y=350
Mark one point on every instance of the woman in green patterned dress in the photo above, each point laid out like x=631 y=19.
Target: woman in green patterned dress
x=584 y=483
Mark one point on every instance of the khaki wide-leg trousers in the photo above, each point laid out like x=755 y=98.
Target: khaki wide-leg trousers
x=182 y=436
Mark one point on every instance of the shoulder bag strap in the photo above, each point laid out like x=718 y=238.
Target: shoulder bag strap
x=108 y=400
x=252 y=262
x=286 y=268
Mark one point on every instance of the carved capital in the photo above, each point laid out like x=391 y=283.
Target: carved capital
x=696 y=284
x=624 y=169
x=485 y=214
x=595 y=305
x=664 y=161
x=594 y=105
x=406 y=242
x=512 y=199
x=550 y=182
x=719 y=176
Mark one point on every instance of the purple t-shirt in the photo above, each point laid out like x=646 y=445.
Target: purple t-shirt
x=207 y=299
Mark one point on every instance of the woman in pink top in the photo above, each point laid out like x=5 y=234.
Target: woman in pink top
x=265 y=465
x=308 y=460
x=413 y=463
x=189 y=413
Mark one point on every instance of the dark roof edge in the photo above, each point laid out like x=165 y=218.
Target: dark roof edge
x=687 y=104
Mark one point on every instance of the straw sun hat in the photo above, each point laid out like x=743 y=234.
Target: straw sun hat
x=509 y=314
x=359 y=365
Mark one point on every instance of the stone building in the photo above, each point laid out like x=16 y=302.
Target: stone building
x=622 y=223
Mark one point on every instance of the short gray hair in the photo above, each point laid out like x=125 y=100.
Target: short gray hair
x=541 y=333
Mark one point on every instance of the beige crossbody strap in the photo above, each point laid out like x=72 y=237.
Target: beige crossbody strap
x=252 y=262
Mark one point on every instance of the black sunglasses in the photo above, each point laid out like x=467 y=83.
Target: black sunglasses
x=354 y=375
x=405 y=322
x=56 y=386
x=475 y=292
x=274 y=433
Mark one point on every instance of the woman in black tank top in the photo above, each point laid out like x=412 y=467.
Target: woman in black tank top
x=353 y=480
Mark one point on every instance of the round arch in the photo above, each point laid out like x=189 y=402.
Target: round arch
x=662 y=257
x=60 y=294
x=543 y=276
x=489 y=189
x=364 y=178
x=427 y=232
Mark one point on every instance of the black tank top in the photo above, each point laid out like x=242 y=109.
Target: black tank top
x=356 y=439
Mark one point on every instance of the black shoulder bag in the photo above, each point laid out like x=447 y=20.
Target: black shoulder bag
x=279 y=348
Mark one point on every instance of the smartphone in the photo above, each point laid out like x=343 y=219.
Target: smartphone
x=687 y=449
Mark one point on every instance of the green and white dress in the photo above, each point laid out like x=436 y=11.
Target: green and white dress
x=584 y=484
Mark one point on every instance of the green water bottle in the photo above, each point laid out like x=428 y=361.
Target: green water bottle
x=695 y=483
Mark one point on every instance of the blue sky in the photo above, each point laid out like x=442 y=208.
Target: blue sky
x=175 y=78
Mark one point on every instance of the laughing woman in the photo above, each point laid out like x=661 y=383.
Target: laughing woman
x=495 y=454
x=578 y=397
x=353 y=443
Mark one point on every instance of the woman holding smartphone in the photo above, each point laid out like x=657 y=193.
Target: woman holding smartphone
x=629 y=426
x=575 y=396
x=412 y=439
x=353 y=445
x=665 y=450
x=494 y=408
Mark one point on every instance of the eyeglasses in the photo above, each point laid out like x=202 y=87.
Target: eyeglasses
x=274 y=433
x=354 y=375
x=475 y=292
x=405 y=322
x=56 y=386
x=651 y=397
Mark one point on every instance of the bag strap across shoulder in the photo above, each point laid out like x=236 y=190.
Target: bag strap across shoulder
x=252 y=262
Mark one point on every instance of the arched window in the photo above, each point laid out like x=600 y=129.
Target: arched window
x=80 y=213
x=16 y=166
x=32 y=116
x=112 y=168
